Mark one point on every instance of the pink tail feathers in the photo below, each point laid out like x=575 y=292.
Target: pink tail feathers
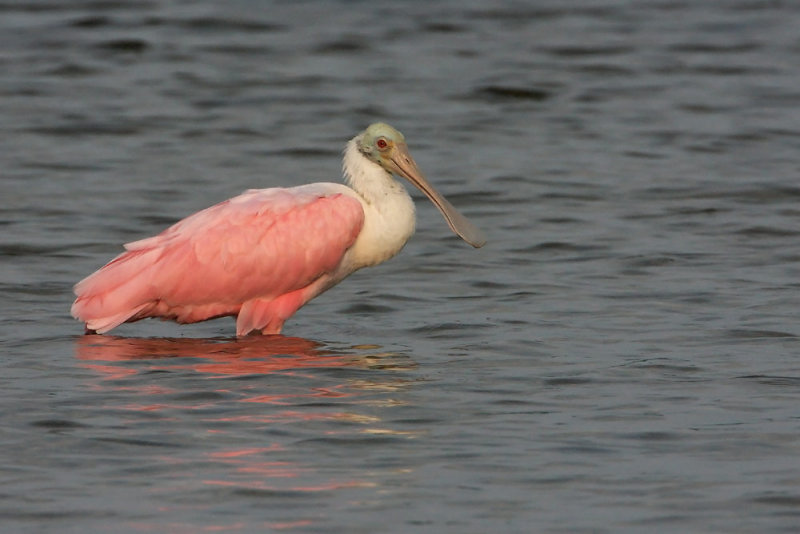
x=117 y=292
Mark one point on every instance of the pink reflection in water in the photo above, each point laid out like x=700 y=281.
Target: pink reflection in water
x=250 y=355
x=122 y=364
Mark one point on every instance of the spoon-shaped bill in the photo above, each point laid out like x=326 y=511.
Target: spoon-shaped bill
x=404 y=165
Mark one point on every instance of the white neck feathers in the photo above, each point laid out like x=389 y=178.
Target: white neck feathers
x=366 y=177
x=388 y=209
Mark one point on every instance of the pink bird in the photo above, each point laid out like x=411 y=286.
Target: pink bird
x=262 y=255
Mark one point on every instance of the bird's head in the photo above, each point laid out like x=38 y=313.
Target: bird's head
x=382 y=144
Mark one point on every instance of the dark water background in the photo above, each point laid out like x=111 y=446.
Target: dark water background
x=623 y=355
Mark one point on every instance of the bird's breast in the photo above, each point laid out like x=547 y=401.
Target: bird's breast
x=389 y=222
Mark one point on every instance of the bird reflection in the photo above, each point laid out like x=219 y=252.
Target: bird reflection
x=218 y=356
x=126 y=362
x=230 y=356
x=266 y=394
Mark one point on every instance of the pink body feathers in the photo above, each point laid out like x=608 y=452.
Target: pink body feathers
x=259 y=256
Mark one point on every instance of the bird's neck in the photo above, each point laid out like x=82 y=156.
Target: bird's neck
x=374 y=183
x=388 y=209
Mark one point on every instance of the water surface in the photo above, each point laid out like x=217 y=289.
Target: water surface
x=621 y=357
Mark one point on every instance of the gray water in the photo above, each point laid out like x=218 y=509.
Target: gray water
x=623 y=355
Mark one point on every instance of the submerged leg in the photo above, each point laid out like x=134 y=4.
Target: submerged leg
x=267 y=316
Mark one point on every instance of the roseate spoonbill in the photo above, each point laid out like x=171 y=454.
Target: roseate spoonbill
x=263 y=254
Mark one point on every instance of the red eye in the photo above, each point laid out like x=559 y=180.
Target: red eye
x=381 y=143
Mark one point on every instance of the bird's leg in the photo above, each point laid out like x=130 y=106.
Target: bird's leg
x=273 y=327
x=268 y=315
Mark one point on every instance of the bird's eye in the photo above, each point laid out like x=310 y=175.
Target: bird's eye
x=381 y=143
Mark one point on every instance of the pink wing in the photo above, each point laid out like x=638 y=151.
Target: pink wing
x=261 y=253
